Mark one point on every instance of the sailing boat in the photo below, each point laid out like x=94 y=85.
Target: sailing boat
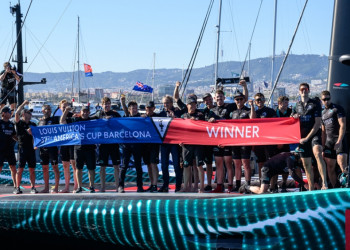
x=77 y=105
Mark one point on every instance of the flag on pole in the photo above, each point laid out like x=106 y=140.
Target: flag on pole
x=88 y=70
x=139 y=86
x=266 y=84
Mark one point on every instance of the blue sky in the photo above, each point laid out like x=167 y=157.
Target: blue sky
x=122 y=35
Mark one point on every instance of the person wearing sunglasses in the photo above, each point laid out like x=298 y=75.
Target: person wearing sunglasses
x=309 y=111
x=241 y=154
x=7 y=143
x=333 y=137
x=223 y=155
x=26 y=151
x=263 y=153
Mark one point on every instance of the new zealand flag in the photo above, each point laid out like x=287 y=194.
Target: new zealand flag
x=139 y=86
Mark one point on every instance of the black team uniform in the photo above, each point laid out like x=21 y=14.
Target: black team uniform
x=223 y=112
x=84 y=154
x=280 y=164
x=241 y=152
x=129 y=149
x=8 y=91
x=193 y=152
x=330 y=121
x=7 y=144
x=49 y=154
x=67 y=152
x=287 y=113
x=263 y=152
x=307 y=114
x=106 y=150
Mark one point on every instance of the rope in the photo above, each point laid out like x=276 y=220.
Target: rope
x=286 y=56
x=251 y=38
x=195 y=52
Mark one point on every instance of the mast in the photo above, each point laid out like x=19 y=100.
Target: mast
x=78 y=64
x=217 y=46
x=338 y=74
x=17 y=10
x=273 y=55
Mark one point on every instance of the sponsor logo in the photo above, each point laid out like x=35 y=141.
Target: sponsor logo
x=161 y=124
x=340 y=85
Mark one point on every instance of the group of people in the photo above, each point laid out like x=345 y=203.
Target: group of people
x=322 y=145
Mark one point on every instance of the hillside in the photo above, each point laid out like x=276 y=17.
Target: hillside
x=298 y=68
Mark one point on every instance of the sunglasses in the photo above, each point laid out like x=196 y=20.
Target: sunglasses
x=326 y=99
x=304 y=89
x=259 y=99
x=239 y=99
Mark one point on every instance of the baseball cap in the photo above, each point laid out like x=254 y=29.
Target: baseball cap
x=28 y=111
x=206 y=95
x=238 y=94
x=191 y=100
x=6 y=109
x=150 y=104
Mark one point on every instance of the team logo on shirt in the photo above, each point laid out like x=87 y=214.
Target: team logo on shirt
x=161 y=124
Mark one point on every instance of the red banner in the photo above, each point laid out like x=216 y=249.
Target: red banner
x=252 y=132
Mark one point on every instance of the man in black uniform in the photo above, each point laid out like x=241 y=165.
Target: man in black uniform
x=108 y=150
x=8 y=78
x=49 y=154
x=150 y=153
x=25 y=146
x=129 y=149
x=193 y=154
x=241 y=154
x=282 y=110
x=83 y=154
x=223 y=155
x=309 y=111
x=333 y=136
x=208 y=150
x=278 y=164
x=263 y=152
x=7 y=143
x=67 y=152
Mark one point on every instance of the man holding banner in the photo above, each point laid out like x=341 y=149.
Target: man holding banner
x=131 y=149
x=83 y=154
x=108 y=150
